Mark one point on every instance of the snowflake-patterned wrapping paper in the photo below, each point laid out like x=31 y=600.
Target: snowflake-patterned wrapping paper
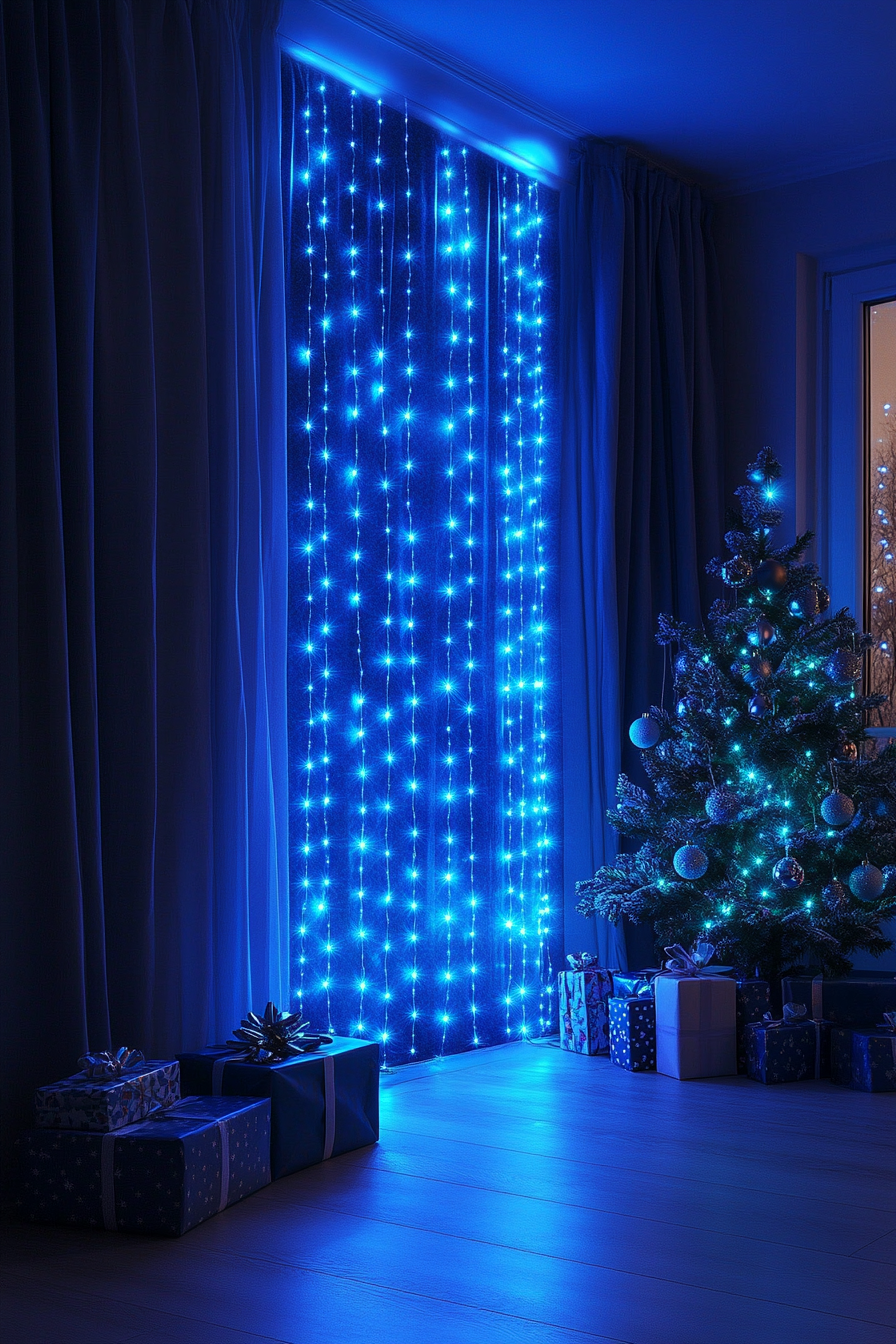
x=298 y=1092
x=853 y=1001
x=863 y=1058
x=633 y=1034
x=86 y=1104
x=166 y=1171
x=753 y=1000
x=584 y=1020
x=788 y=1054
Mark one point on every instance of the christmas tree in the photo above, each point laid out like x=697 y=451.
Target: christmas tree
x=770 y=824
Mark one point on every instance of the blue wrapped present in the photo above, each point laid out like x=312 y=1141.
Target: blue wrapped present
x=162 y=1176
x=864 y=1058
x=752 y=1002
x=322 y=1104
x=101 y=1104
x=633 y=1033
x=583 y=994
x=789 y=1049
x=853 y=1001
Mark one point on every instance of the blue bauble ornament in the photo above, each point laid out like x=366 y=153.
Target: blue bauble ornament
x=722 y=806
x=844 y=666
x=737 y=571
x=771 y=576
x=645 y=732
x=788 y=874
x=835 y=897
x=806 y=603
x=690 y=862
x=866 y=882
x=838 y=809
x=762 y=634
x=759 y=706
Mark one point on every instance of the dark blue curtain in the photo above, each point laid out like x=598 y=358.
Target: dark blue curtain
x=640 y=508
x=142 y=527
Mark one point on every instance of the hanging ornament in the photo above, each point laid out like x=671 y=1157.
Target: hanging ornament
x=771 y=576
x=690 y=862
x=847 y=751
x=837 y=809
x=645 y=732
x=788 y=873
x=844 y=666
x=762 y=634
x=759 y=669
x=737 y=571
x=688 y=704
x=722 y=806
x=759 y=706
x=835 y=897
x=866 y=882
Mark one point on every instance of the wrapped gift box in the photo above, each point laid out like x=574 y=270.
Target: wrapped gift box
x=584 y=1018
x=633 y=1033
x=88 y=1104
x=322 y=1104
x=854 y=1001
x=161 y=1176
x=696 y=1029
x=752 y=1002
x=788 y=1053
x=864 y=1058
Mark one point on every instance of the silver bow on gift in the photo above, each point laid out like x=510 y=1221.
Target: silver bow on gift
x=794 y=1013
x=889 y=1022
x=632 y=987
x=275 y=1036
x=105 y=1065
x=581 y=961
x=694 y=962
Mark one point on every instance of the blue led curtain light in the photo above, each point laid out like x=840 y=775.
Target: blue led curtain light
x=422 y=693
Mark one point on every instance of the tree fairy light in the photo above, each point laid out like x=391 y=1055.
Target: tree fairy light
x=422 y=697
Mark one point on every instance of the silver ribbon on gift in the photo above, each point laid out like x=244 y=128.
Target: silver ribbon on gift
x=581 y=961
x=106 y=1065
x=107 y=1159
x=889 y=1022
x=693 y=963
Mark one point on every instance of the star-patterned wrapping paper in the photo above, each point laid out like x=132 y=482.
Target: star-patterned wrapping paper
x=787 y=1054
x=633 y=1034
x=753 y=999
x=863 y=1058
x=584 y=1019
x=167 y=1171
x=86 y=1104
x=297 y=1090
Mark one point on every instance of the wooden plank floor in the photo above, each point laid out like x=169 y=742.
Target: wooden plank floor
x=520 y=1196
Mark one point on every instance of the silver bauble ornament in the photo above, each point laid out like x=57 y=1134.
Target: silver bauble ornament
x=737 y=571
x=771 y=576
x=788 y=873
x=722 y=806
x=690 y=862
x=645 y=732
x=759 y=706
x=762 y=634
x=844 y=666
x=866 y=882
x=838 y=809
x=835 y=897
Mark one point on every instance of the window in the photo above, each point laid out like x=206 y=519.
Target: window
x=880 y=457
x=422 y=697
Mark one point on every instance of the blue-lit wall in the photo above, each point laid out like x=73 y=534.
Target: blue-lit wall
x=421 y=298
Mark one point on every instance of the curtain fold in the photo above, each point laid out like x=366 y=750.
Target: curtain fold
x=142 y=526
x=640 y=505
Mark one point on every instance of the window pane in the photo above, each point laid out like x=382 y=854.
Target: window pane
x=880 y=435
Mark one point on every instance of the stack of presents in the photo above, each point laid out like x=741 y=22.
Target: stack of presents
x=693 y=1019
x=159 y=1146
